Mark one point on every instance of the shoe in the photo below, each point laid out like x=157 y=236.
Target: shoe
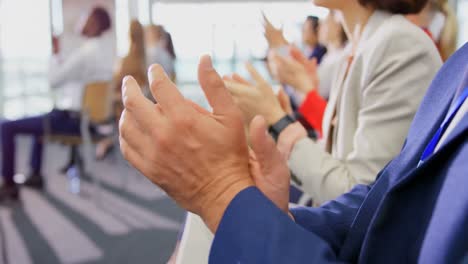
x=35 y=181
x=9 y=193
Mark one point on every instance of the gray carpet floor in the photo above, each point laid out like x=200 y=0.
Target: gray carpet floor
x=125 y=219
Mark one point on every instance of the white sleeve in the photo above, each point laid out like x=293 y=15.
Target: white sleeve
x=390 y=99
x=70 y=70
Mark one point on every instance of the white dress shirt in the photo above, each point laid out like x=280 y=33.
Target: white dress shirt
x=456 y=119
x=93 y=61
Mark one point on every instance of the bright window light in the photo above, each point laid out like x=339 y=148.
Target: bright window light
x=231 y=32
x=122 y=24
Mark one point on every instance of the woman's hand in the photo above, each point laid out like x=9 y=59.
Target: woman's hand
x=296 y=71
x=274 y=36
x=268 y=167
x=285 y=102
x=255 y=99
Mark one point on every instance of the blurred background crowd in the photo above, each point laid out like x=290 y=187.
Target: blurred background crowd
x=48 y=48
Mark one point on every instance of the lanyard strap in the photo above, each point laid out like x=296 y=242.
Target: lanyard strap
x=440 y=132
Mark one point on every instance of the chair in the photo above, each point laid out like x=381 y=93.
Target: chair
x=96 y=109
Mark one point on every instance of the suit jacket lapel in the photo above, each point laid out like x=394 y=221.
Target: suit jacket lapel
x=459 y=133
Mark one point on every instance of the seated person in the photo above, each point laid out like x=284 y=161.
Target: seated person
x=134 y=63
x=381 y=82
x=93 y=61
x=438 y=19
x=414 y=212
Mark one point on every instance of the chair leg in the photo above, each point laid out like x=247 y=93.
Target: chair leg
x=71 y=160
x=78 y=161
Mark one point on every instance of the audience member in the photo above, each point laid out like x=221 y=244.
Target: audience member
x=134 y=63
x=439 y=21
x=414 y=212
x=313 y=50
x=371 y=105
x=310 y=39
x=160 y=49
x=93 y=61
x=332 y=34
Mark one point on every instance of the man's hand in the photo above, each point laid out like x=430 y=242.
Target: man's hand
x=268 y=167
x=296 y=71
x=255 y=99
x=274 y=36
x=199 y=158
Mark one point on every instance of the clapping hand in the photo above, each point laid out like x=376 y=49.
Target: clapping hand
x=274 y=36
x=199 y=158
x=296 y=70
x=256 y=98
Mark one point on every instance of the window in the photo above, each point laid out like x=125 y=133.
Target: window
x=25 y=45
x=231 y=32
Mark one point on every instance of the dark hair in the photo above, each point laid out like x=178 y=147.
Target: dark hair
x=102 y=17
x=403 y=7
x=315 y=23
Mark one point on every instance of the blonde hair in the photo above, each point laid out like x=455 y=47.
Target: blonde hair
x=448 y=38
x=134 y=63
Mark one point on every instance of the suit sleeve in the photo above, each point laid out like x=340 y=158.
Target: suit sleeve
x=254 y=230
x=393 y=86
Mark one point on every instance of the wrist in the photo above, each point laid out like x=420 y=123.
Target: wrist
x=289 y=137
x=218 y=200
x=275 y=116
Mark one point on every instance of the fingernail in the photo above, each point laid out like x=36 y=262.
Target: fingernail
x=206 y=62
x=150 y=73
x=125 y=80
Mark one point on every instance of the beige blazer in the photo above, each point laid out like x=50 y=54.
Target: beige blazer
x=394 y=64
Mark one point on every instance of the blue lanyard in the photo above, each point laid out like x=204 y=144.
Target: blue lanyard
x=440 y=132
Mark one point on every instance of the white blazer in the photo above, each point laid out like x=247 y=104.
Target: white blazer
x=394 y=64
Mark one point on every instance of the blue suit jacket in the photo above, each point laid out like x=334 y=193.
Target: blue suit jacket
x=408 y=215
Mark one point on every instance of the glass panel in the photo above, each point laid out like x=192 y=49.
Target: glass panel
x=25 y=46
x=231 y=32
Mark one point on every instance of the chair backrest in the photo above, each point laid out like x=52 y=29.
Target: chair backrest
x=97 y=101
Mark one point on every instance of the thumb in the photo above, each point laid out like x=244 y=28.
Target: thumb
x=263 y=145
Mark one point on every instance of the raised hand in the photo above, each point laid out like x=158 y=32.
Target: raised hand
x=274 y=36
x=268 y=167
x=296 y=71
x=255 y=98
x=199 y=158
